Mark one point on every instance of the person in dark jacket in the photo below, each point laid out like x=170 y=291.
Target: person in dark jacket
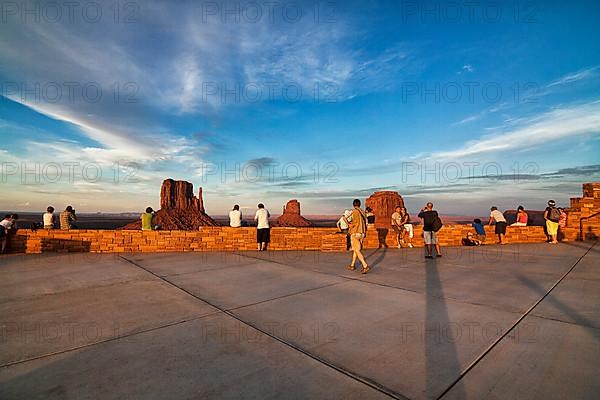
x=429 y=216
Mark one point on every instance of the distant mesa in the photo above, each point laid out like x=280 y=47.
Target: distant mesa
x=384 y=204
x=291 y=216
x=180 y=209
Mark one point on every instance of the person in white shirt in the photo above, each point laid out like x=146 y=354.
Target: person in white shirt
x=5 y=226
x=343 y=226
x=500 y=228
x=49 y=218
x=235 y=217
x=398 y=226
x=263 y=231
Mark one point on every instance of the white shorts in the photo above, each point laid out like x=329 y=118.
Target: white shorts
x=409 y=229
x=430 y=237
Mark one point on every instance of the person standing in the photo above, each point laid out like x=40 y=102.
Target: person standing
x=6 y=225
x=147 y=218
x=343 y=227
x=370 y=218
x=562 y=224
x=263 y=230
x=500 y=229
x=49 y=219
x=552 y=217
x=235 y=217
x=430 y=218
x=67 y=218
x=407 y=227
x=397 y=226
x=357 y=228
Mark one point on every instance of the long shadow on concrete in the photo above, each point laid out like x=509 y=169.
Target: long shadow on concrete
x=379 y=259
x=209 y=358
x=576 y=317
x=584 y=245
x=437 y=354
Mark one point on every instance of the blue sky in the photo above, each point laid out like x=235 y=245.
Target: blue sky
x=499 y=105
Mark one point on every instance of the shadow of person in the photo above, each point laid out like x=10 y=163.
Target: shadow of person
x=382 y=236
x=379 y=258
x=553 y=300
x=441 y=356
x=590 y=235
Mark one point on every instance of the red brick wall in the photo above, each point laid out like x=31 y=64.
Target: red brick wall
x=582 y=208
x=452 y=235
x=231 y=239
x=324 y=239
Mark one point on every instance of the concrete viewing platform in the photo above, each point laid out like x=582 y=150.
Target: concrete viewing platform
x=520 y=321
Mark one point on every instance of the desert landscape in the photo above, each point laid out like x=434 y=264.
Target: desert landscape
x=141 y=140
x=181 y=209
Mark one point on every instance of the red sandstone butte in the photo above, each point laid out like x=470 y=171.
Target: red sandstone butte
x=384 y=205
x=180 y=195
x=291 y=216
x=180 y=209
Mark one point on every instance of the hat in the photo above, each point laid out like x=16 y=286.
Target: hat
x=551 y=203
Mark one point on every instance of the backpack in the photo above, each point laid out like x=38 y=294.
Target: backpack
x=437 y=224
x=554 y=214
x=364 y=220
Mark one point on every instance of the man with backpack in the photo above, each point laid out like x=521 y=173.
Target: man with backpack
x=431 y=225
x=552 y=217
x=357 y=230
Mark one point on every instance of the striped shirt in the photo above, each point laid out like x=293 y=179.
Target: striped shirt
x=65 y=220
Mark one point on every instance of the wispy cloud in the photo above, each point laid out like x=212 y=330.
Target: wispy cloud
x=557 y=124
x=480 y=115
x=574 y=77
x=518 y=134
x=470 y=118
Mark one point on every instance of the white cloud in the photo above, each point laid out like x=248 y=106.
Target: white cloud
x=120 y=143
x=557 y=124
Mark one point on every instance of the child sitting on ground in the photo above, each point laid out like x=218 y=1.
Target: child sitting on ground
x=470 y=240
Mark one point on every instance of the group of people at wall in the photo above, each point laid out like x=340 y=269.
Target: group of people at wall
x=353 y=223
x=263 y=228
x=66 y=221
x=555 y=218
